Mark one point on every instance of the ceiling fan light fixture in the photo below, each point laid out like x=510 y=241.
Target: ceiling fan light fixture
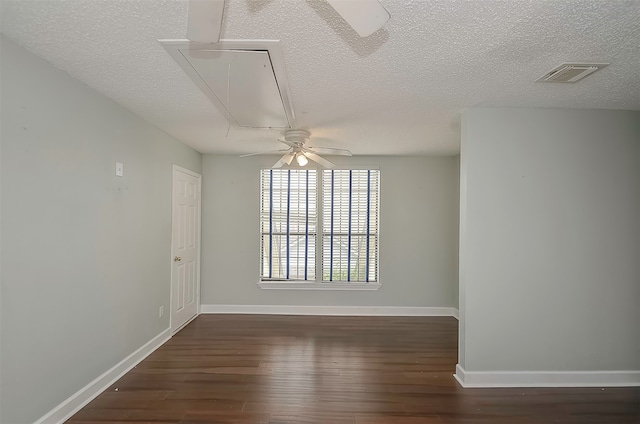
x=295 y=140
x=301 y=159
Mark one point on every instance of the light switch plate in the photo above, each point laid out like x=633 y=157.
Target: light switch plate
x=119 y=169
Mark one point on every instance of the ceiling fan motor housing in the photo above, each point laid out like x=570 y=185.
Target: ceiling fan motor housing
x=297 y=136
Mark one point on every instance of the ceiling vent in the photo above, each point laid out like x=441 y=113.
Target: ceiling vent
x=571 y=72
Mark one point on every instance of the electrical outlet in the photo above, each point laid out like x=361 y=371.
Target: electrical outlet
x=161 y=311
x=119 y=169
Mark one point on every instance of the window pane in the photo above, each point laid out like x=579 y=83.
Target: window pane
x=288 y=222
x=350 y=225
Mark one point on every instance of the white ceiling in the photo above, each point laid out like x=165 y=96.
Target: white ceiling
x=397 y=92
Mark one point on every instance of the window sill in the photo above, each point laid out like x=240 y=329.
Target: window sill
x=296 y=285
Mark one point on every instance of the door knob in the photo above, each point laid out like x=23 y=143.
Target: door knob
x=177 y=259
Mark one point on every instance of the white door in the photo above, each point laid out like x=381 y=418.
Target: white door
x=185 y=247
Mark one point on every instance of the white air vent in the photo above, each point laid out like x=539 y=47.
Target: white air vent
x=571 y=72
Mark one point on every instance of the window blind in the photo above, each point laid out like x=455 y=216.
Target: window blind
x=350 y=225
x=288 y=223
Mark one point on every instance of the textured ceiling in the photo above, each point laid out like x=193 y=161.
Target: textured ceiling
x=399 y=91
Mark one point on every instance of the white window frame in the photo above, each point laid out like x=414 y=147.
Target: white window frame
x=318 y=284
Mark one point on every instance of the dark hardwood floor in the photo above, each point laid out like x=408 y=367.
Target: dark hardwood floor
x=332 y=370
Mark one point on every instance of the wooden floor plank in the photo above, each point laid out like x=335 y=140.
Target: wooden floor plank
x=396 y=419
x=251 y=369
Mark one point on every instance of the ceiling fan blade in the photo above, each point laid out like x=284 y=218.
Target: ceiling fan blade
x=330 y=151
x=319 y=160
x=205 y=20
x=290 y=158
x=287 y=158
x=364 y=16
x=268 y=152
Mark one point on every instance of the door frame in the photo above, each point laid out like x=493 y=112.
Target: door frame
x=194 y=174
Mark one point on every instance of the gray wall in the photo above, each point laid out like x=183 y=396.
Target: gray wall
x=456 y=288
x=85 y=254
x=550 y=240
x=418 y=228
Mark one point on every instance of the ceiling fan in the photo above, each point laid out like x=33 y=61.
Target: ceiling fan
x=296 y=140
x=205 y=17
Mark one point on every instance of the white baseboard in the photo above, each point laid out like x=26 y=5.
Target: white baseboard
x=456 y=313
x=329 y=310
x=470 y=379
x=75 y=402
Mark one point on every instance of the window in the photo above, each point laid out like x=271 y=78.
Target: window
x=326 y=221
x=288 y=222
x=350 y=225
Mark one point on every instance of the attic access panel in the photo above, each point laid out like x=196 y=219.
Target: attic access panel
x=244 y=79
